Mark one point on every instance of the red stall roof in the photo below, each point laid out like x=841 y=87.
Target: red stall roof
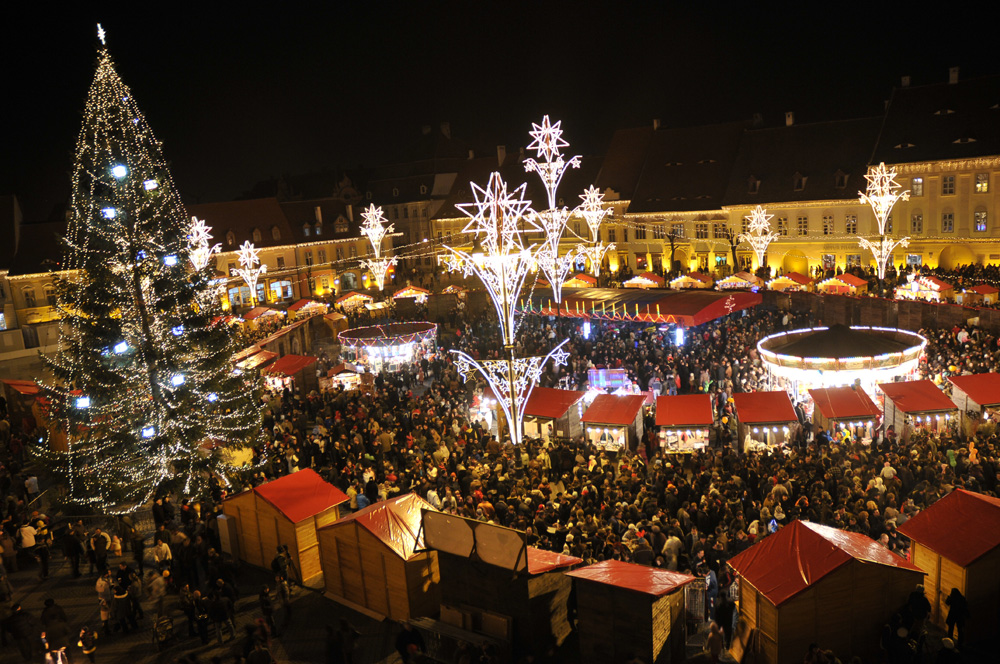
x=396 y=522
x=800 y=554
x=257 y=312
x=764 y=407
x=985 y=289
x=984 y=388
x=844 y=403
x=917 y=396
x=630 y=576
x=684 y=410
x=301 y=304
x=26 y=387
x=614 y=409
x=963 y=526
x=541 y=561
x=551 y=403
x=301 y=495
x=290 y=365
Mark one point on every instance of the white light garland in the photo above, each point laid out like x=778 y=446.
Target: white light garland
x=375 y=230
x=759 y=234
x=593 y=212
x=250 y=268
x=200 y=250
x=883 y=192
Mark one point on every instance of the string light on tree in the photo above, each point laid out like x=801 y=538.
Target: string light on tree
x=882 y=194
x=759 y=234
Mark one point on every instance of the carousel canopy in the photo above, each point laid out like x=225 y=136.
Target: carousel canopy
x=800 y=554
x=630 y=576
x=844 y=403
x=289 y=365
x=984 y=389
x=550 y=403
x=391 y=334
x=839 y=341
x=764 y=407
x=684 y=410
x=619 y=410
x=917 y=396
x=963 y=526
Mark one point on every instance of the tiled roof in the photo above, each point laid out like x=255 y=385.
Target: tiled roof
x=39 y=249
x=624 y=160
x=242 y=217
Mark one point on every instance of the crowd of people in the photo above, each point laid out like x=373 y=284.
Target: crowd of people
x=417 y=433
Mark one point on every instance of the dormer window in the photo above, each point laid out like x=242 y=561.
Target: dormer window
x=318 y=228
x=753 y=185
x=340 y=225
x=275 y=233
x=306 y=230
x=256 y=235
x=799 y=182
x=395 y=192
x=423 y=189
x=673 y=163
x=706 y=161
x=368 y=195
x=230 y=239
x=840 y=179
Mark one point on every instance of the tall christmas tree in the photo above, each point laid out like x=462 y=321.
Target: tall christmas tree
x=145 y=388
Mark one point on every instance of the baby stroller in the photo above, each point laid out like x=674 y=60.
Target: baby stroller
x=163 y=632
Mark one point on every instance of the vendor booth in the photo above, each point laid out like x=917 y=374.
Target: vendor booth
x=849 y=409
x=335 y=322
x=292 y=372
x=914 y=405
x=607 y=379
x=389 y=347
x=285 y=511
x=982 y=295
x=258 y=360
x=553 y=413
x=843 y=284
x=614 y=422
x=259 y=314
x=956 y=542
x=976 y=396
x=20 y=396
x=630 y=611
x=644 y=280
x=455 y=289
x=416 y=292
x=791 y=282
x=495 y=590
x=307 y=308
x=809 y=583
x=580 y=280
x=766 y=419
x=353 y=300
x=347 y=377
x=925 y=287
x=374 y=560
x=739 y=281
x=684 y=422
x=691 y=280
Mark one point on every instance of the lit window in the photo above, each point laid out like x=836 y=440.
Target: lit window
x=677 y=230
x=917 y=187
x=783 y=226
x=701 y=231
x=803 y=225
x=319 y=228
x=827 y=225
x=612 y=235
x=982 y=183
x=851 y=224
x=980 y=220
x=948 y=185
x=947 y=222
x=917 y=223
x=719 y=231
x=306 y=230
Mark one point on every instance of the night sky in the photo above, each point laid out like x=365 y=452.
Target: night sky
x=238 y=93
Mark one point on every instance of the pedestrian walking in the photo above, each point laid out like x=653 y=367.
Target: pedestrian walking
x=267 y=608
x=156 y=588
x=958 y=614
x=73 y=550
x=284 y=594
x=88 y=643
x=201 y=615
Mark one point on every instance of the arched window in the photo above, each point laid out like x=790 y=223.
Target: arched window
x=256 y=235
x=275 y=233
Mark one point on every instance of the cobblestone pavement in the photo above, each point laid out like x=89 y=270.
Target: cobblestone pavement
x=302 y=640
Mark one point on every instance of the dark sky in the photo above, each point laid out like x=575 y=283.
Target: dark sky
x=237 y=92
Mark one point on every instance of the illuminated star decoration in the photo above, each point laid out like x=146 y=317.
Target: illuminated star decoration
x=593 y=211
x=550 y=165
x=198 y=239
x=882 y=194
x=101 y=34
x=730 y=304
x=759 y=234
x=374 y=228
x=249 y=272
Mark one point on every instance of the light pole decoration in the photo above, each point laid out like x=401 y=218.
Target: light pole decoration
x=594 y=212
x=250 y=268
x=199 y=239
x=550 y=167
x=375 y=230
x=882 y=194
x=500 y=219
x=759 y=234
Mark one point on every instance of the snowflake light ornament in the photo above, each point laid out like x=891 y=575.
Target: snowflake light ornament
x=251 y=268
x=374 y=228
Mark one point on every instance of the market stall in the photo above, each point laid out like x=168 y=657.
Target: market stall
x=335 y=322
x=286 y=511
x=916 y=404
x=977 y=396
x=691 y=280
x=766 y=419
x=791 y=282
x=644 y=280
x=292 y=372
x=809 y=583
x=375 y=559
x=614 y=422
x=258 y=315
x=580 y=280
x=553 y=413
x=845 y=409
x=739 y=281
x=843 y=284
x=628 y=611
x=684 y=422
x=956 y=542
x=416 y=292
x=389 y=347
x=348 y=377
x=925 y=287
x=982 y=295
x=257 y=360
x=353 y=300
x=307 y=308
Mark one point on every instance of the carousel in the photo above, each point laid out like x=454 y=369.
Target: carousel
x=821 y=357
x=389 y=347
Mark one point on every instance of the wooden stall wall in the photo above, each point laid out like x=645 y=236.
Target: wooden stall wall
x=614 y=623
x=423 y=584
x=548 y=596
x=244 y=509
x=275 y=529
x=982 y=580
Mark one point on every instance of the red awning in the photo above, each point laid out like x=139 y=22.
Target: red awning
x=684 y=410
x=963 y=526
x=289 y=365
x=301 y=495
x=541 y=561
x=614 y=409
x=844 y=403
x=257 y=312
x=25 y=387
x=257 y=360
x=917 y=396
x=551 y=403
x=586 y=278
x=984 y=389
x=764 y=407
x=984 y=289
x=641 y=579
x=302 y=304
x=395 y=522
x=410 y=291
x=800 y=554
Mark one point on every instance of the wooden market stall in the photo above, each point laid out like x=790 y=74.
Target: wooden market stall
x=978 y=296
x=627 y=610
x=375 y=559
x=551 y=412
x=684 y=421
x=739 y=281
x=580 y=280
x=257 y=360
x=790 y=282
x=306 y=308
x=20 y=396
x=843 y=284
x=956 y=541
x=614 y=422
x=766 y=419
x=336 y=322
x=975 y=395
x=416 y=292
x=295 y=372
x=836 y=408
x=258 y=314
x=915 y=404
x=692 y=280
x=809 y=583
x=289 y=511
x=349 y=378
x=644 y=280
x=925 y=287
x=353 y=300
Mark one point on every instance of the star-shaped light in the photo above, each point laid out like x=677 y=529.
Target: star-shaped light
x=883 y=192
x=374 y=228
x=759 y=234
x=100 y=33
x=200 y=233
x=548 y=139
x=500 y=215
x=593 y=210
x=249 y=255
x=760 y=220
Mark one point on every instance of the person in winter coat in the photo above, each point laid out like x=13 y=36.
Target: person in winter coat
x=958 y=614
x=88 y=643
x=122 y=611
